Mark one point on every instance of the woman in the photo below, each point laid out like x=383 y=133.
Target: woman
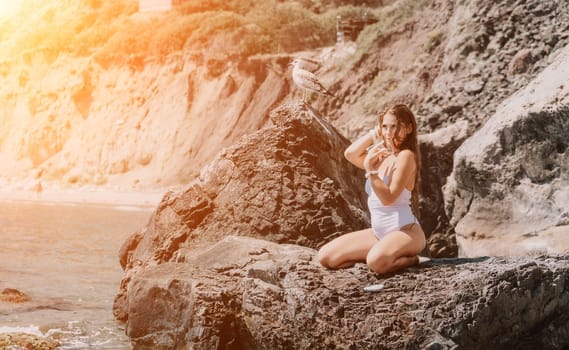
x=396 y=237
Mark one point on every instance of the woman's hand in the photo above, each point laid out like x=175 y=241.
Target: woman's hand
x=374 y=157
x=357 y=151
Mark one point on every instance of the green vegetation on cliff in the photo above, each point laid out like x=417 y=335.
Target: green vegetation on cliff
x=114 y=32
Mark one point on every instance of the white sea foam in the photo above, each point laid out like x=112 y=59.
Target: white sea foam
x=70 y=338
x=31 y=329
x=130 y=208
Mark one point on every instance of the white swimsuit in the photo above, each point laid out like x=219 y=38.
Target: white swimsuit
x=389 y=218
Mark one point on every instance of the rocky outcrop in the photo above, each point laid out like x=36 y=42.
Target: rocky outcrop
x=204 y=273
x=511 y=177
x=13 y=301
x=454 y=62
x=287 y=183
x=437 y=151
x=245 y=293
x=11 y=295
x=492 y=49
x=27 y=341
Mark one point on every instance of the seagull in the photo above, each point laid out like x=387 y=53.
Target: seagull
x=309 y=64
x=307 y=80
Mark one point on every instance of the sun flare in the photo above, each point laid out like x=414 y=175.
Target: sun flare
x=9 y=8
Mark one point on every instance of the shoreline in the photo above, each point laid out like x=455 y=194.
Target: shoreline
x=88 y=197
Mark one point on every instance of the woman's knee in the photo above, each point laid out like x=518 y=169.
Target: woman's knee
x=328 y=257
x=324 y=256
x=379 y=263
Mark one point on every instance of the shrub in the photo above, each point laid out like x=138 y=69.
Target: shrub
x=434 y=39
x=389 y=17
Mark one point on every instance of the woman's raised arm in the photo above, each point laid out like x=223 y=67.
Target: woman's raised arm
x=356 y=152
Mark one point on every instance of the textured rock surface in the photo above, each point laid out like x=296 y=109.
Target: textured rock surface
x=491 y=49
x=437 y=150
x=512 y=176
x=245 y=293
x=287 y=183
x=20 y=341
x=494 y=48
x=193 y=280
x=454 y=62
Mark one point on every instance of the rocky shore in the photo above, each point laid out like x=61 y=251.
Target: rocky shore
x=245 y=293
x=151 y=120
x=191 y=282
x=21 y=340
x=26 y=341
x=258 y=180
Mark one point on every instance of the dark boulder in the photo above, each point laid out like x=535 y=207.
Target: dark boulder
x=287 y=183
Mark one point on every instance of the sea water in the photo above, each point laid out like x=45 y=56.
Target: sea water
x=65 y=258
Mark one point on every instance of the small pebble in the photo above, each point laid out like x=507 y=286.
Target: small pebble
x=373 y=288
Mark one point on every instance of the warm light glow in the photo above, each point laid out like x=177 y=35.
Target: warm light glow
x=9 y=8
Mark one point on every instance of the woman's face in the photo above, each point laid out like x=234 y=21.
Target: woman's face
x=392 y=136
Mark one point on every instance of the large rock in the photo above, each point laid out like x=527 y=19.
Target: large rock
x=287 y=183
x=245 y=293
x=509 y=189
x=437 y=149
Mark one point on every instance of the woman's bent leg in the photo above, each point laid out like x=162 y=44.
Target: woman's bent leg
x=397 y=250
x=347 y=249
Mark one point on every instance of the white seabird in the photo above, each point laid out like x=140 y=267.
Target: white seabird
x=309 y=64
x=307 y=80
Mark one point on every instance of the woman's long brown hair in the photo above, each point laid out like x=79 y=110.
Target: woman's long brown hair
x=404 y=116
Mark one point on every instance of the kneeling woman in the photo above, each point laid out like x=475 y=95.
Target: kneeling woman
x=392 y=171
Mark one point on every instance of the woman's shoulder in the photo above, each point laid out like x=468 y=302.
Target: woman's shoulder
x=406 y=154
x=406 y=159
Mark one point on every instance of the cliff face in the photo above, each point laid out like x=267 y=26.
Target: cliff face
x=97 y=95
x=83 y=115
x=127 y=129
